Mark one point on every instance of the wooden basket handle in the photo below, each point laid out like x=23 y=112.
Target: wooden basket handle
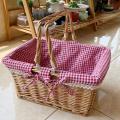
x=37 y=58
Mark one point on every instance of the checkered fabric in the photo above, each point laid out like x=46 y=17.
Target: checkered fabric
x=79 y=63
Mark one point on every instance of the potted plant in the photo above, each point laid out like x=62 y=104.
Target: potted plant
x=115 y=3
x=30 y=4
x=83 y=14
x=22 y=18
x=56 y=5
x=83 y=1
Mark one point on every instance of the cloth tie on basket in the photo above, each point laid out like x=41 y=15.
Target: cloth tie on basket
x=50 y=83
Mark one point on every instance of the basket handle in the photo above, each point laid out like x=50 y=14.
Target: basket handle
x=50 y=52
x=38 y=46
x=49 y=44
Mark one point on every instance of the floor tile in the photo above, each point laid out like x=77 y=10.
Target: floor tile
x=6 y=47
x=13 y=108
x=61 y=115
x=109 y=95
x=107 y=35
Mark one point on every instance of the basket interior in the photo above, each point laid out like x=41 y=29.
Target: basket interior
x=70 y=56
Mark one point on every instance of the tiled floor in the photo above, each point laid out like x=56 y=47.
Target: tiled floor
x=108 y=104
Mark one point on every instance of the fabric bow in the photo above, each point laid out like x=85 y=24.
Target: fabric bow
x=51 y=84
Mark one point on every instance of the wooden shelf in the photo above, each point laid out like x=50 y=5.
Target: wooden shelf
x=103 y=17
x=95 y=18
x=82 y=24
x=100 y=18
x=25 y=29
x=31 y=28
x=77 y=25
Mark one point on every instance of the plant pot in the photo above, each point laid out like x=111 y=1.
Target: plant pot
x=83 y=15
x=116 y=4
x=22 y=19
x=74 y=16
x=56 y=7
x=38 y=14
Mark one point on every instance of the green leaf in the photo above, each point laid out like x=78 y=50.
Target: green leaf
x=30 y=3
x=73 y=5
x=19 y=3
x=54 y=1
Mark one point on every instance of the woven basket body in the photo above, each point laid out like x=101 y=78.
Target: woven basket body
x=83 y=67
x=79 y=103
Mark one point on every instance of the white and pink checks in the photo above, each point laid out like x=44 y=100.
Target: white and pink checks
x=79 y=63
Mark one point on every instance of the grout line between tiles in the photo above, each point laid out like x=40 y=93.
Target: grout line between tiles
x=50 y=115
x=115 y=58
x=99 y=110
x=103 y=113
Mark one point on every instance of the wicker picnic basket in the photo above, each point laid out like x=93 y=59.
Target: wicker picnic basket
x=65 y=74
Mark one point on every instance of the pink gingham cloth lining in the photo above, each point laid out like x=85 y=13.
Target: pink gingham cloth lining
x=78 y=63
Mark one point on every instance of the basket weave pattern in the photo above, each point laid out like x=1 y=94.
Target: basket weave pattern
x=80 y=102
